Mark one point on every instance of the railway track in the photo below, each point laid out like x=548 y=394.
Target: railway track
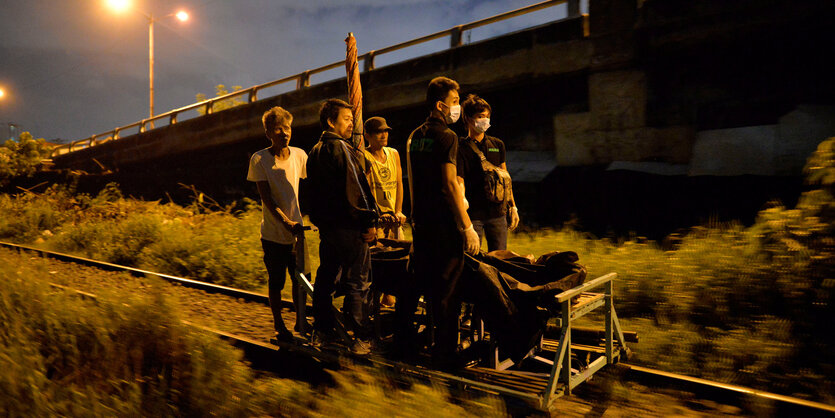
x=517 y=385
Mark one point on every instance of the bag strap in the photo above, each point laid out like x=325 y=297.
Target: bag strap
x=475 y=148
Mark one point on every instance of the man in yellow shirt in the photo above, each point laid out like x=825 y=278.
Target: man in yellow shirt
x=386 y=176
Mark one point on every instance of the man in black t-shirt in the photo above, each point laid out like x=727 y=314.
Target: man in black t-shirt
x=489 y=218
x=441 y=227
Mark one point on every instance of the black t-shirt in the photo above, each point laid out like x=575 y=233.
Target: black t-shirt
x=431 y=146
x=469 y=168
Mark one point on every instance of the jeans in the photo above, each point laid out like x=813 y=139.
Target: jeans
x=343 y=258
x=496 y=231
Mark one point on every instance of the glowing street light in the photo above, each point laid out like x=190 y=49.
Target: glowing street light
x=118 y=6
x=122 y=5
x=2 y=93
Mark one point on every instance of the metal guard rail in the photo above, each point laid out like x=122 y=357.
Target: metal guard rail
x=303 y=79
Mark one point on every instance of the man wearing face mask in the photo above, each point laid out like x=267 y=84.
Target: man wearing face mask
x=344 y=209
x=489 y=218
x=442 y=230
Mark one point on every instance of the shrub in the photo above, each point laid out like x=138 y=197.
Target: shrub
x=21 y=157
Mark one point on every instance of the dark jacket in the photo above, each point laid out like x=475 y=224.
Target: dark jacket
x=340 y=194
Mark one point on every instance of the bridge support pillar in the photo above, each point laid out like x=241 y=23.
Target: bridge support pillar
x=615 y=127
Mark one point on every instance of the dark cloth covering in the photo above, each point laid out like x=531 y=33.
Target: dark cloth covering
x=507 y=290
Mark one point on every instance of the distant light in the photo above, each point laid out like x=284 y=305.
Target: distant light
x=182 y=15
x=2 y=93
x=118 y=5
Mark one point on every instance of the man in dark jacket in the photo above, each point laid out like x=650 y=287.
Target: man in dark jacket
x=344 y=210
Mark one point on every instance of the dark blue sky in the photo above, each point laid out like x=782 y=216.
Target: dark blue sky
x=73 y=68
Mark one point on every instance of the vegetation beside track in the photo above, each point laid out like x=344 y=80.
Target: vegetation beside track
x=129 y=355
x=745 y=305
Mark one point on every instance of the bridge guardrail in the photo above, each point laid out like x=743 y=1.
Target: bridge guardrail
x=303 y=79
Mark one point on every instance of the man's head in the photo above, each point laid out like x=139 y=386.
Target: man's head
x=335 y=116
x=475 y=108
x=376 y=132
x=442 y=95
x=277 y=123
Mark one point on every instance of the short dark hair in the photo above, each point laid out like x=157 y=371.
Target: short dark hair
x=272 y=116
x=474 y=105
x=330 y=111
x=439 y=89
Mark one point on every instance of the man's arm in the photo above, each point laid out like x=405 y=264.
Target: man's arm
x=361 y=204
x=270 y=206
x=463 y=192
x=511 y=201
x=454 y=196
x=398 y=197
x=514 y=212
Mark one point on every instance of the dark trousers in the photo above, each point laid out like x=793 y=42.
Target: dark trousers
x=496 y=231
x=343 y=259
x=437 y=258
x=278 y=258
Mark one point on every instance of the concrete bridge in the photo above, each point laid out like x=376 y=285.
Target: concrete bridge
x=634 y=99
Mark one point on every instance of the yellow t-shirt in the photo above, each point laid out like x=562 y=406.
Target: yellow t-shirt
x=384 y=179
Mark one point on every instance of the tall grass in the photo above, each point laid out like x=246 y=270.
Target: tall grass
x=129 y=355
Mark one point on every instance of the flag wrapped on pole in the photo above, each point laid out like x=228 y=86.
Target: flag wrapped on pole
x=354 y=89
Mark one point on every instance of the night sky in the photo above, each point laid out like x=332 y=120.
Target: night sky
x=75 y=68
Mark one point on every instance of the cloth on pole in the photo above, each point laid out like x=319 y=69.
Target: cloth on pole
x=354 y=89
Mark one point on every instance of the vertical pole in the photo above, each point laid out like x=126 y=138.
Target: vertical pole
x=573 y=8
x=609 y=305
x=455 y=37
x=565 y=371
x=151 y=67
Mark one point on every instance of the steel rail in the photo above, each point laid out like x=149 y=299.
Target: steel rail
x=303 y=79
x=208 y=287
x=259 y=352
x=788 y=404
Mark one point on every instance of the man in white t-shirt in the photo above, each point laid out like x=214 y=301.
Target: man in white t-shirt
x=276 y=172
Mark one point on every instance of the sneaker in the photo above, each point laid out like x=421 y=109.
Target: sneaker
x=360 y=347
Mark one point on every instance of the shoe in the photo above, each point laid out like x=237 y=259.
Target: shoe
x=361 y=348
x=284 y=336
x=321 y=338
x=388 y=301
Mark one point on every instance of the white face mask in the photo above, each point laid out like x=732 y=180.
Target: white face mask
x=454 y=114
x=481 y=125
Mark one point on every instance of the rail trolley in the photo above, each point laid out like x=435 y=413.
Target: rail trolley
x=564 y=357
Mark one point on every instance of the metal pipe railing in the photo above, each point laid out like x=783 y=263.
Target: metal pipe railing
x=303 y=79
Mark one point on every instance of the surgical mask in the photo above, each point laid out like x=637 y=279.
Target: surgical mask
x=454 y=113
x=481 y=125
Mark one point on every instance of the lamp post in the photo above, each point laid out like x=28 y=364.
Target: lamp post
x=182 y=16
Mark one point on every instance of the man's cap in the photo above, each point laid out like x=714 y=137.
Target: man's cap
x=376 y=124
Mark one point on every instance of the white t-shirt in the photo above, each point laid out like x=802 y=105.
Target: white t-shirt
x=283 y=177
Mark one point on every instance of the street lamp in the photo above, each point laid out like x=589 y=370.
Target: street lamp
x=182 y=16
